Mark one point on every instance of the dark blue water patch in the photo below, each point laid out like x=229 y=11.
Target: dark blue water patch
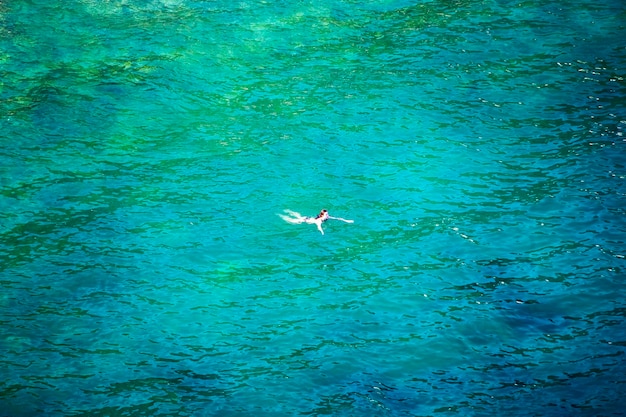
x=361 y=391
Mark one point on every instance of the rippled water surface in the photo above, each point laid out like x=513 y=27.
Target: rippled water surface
x=148 y=146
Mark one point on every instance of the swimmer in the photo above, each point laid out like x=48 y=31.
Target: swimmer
x=297 y=218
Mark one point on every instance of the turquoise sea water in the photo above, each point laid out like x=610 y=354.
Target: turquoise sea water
x=148 y=146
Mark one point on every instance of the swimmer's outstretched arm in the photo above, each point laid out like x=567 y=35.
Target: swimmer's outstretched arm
x=339 y=218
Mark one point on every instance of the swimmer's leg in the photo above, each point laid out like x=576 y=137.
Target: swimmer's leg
x=293 y=220
x=293 y=213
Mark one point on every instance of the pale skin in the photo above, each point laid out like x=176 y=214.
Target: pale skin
x=297 y=218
